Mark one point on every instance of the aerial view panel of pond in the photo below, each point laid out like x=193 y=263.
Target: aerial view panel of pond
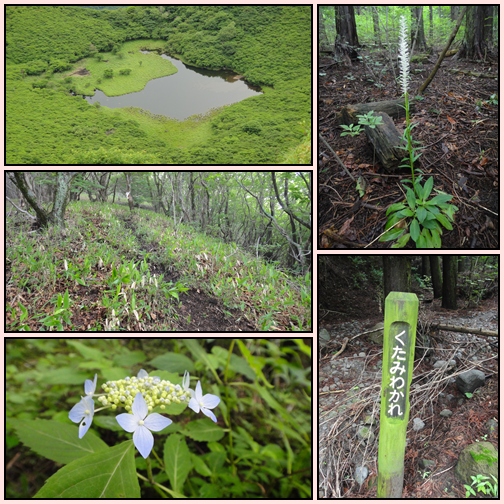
x=190 y=91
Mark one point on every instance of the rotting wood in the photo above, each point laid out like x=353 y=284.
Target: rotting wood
x=393 y=108
x=473 y=74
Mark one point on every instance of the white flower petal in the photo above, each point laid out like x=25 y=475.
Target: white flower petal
x=194 y=405
x=128 y=422
x=139 y=407
x=156 y=422
x=198 y=394
x=142 y=374
x=210 y=401
x=186 y=380
x=143 y=440
x=209 y=414
x=90 y=386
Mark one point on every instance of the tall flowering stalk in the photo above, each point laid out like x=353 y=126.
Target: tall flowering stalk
x=404 y=78
x=420 y=218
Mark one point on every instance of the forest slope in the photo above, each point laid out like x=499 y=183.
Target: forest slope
x=114 y=270
x=269 y=45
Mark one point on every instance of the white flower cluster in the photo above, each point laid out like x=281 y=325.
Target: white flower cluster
x=156 y=392
x=403 y=55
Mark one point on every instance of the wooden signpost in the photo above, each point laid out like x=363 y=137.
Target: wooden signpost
x=399 y=332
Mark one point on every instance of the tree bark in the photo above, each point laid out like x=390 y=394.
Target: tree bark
x=437 y=283
x=449 y=282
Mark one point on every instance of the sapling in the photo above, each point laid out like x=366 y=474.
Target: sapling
x=418 y=218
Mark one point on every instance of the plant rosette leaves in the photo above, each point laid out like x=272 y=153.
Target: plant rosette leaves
x=110 y=473
x=57 y=441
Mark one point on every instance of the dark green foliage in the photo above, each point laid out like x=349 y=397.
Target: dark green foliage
x=269 y=45
x=126 y=71
x=108 y=74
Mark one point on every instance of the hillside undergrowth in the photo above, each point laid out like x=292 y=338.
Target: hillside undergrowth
x=115 y=270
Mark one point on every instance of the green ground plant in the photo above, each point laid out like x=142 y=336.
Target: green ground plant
x=111 y=261
x=482 y=484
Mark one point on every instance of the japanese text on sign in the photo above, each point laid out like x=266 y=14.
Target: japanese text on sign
x=398 y=377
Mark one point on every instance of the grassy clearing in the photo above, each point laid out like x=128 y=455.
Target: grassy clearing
x=111 y=270
x=144 y=67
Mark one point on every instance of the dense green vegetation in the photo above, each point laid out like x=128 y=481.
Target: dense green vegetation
x=260 y=447
x=46 y=124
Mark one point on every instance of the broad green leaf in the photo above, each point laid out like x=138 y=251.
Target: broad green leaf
x=440 y=198
x=394 y=207
x=402 y=242
x=110 y=473
x=57 y=441
x=203 y=430
x=236 y=363
x=421 y=214
x=414 y=230
x=393 y=234
x=173 y=362
x=67 y=376
x=128 y=358
x=177 y=459
x=428 y=188
x=436 y=239
x=199 y=465
x=410 y=197
x=444 y=221
x=405 y=213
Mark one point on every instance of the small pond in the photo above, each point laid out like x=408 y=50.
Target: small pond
x=190 y=91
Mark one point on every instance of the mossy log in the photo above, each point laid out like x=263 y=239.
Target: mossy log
x=393 y=108
x=386 y=141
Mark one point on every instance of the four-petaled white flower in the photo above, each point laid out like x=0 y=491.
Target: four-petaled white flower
x=204 y=402
x=142 y=424
x=83 y=412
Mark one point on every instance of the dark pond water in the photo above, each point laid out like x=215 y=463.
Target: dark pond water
x=190 y=91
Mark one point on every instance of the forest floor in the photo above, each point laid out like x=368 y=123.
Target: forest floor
x=349 y=391
x=457 y=125
x=115 y=270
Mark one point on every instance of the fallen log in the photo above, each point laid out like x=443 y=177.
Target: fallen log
x=393 y=108
x=386 y=141
x=472 y=330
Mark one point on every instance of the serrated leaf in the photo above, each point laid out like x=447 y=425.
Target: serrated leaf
x=203 y=430
x=57 y=441
x=177 y=459
x=110 y=473
x=173 y=362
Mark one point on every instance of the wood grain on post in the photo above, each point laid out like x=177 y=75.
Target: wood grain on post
x=399 y=333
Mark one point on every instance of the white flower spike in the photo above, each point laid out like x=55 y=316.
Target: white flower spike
x=142 y=424
x=403 y=55
x=205 y=402
x=83 y=412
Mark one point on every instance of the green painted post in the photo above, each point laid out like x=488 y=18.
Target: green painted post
x=399 y=332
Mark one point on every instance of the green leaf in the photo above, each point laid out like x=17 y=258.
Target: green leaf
x=392 y=234
x=444 y=221
x=406 y=213
x=436 y=238
x=85 y=351
x=256 y=363
x=57 y=441
x=203 y=430
x=427 y=189
x=410 y=197
x=414 y=230
x=440 y=198
x=209 y=360
x=421 y=214
x=394 y=207
x=107 y=474
x=199 y=466
x=173 y=362
x=177 y=459
x=402 y=242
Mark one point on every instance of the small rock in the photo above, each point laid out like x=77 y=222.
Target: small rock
x=365 y=433
x=325 y=389
x=418 y=424
x=446 y=413
x=477 y=458
x=362 y=354
x=470 y=380
x=361 y=473
x=492 y=425
x=427 y=464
